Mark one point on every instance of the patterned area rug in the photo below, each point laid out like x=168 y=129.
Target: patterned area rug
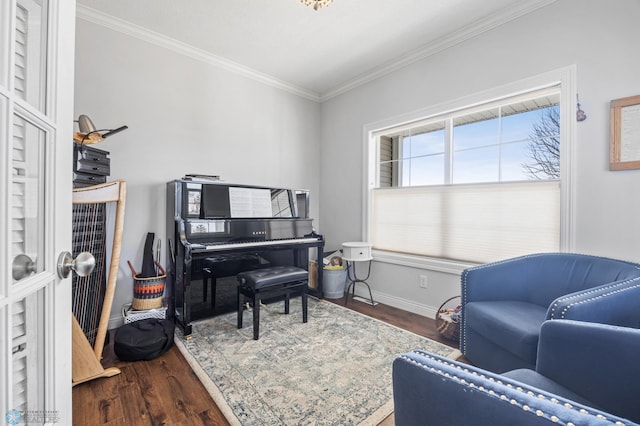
x=333 y=370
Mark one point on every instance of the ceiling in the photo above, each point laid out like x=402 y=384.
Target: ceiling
x=315 y=53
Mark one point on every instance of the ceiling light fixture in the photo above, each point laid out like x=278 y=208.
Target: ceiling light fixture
x=317 y=4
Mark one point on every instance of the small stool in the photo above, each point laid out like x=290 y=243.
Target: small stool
x=271 y=282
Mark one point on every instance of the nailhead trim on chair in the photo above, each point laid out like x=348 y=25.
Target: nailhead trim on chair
x=493 y=393
x=614 y=288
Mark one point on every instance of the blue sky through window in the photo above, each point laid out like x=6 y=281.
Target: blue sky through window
x=493 y=149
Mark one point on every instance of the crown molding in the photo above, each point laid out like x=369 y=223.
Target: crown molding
x=430 y=49
x=438 y=45
x=133 y=30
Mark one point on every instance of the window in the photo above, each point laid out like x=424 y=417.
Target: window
x=509 y=142
x=476 y=184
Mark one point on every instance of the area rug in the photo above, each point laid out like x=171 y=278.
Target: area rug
x=333 y=370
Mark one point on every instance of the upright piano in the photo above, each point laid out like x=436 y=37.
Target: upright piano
x=216 y=228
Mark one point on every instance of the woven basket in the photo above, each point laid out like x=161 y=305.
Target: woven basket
x=448 y=319
x=147 y=292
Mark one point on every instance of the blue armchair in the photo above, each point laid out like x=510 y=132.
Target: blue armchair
x=586 y=374
x=505 y=303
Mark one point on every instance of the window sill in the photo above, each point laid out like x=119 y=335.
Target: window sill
x=448 y=266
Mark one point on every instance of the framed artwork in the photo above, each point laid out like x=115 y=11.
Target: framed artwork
x=624 y=151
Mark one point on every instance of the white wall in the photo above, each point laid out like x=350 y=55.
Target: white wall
x=599 y=37
x=186 y=116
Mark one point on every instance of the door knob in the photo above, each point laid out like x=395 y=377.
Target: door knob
x=22 y=267
x=82 y=265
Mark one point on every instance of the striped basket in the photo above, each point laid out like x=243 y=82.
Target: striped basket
x=147 y=292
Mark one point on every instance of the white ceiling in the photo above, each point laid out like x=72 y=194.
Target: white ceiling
x=318 y=53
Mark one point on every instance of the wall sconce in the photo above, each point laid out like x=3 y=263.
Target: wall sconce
x=580 y=114
x=87 y=133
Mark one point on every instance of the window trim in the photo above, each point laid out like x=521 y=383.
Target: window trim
x=565 y=78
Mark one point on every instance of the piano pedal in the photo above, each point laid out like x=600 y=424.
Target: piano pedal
x=248 y=307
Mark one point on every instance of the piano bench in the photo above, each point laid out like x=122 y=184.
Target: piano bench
x=271 y=282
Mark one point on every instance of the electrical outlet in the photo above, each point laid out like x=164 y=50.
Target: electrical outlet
x=423 y=281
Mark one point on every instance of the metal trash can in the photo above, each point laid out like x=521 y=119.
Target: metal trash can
x=334 y=282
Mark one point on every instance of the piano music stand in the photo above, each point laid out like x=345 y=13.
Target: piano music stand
x=354 y=252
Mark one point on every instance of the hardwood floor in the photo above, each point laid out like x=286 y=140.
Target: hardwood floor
x=165 y=391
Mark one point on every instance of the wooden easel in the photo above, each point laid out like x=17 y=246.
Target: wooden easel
x=86 y=359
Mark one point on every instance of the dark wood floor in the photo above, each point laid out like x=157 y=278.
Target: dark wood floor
x=165 y=391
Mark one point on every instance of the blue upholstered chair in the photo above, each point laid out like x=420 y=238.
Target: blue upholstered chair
x=586 y=374
x=505 y=303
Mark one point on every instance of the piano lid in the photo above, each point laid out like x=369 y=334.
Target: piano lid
x=237 y=202
x=219 y=200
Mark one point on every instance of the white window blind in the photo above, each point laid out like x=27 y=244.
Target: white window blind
x=27 y=349
x=22 y=18
x=18 y=188
x=18 y=345
x=477 y=222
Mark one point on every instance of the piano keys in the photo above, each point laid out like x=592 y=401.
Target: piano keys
x=252 y=244
x=209 y=222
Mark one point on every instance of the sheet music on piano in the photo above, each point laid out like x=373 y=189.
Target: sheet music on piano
x=249 y=202
x=217 y=229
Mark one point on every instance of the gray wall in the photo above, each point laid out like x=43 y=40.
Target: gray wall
x=186 y=116
x=600 y=38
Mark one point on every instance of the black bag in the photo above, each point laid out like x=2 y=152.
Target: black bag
x=144 y=339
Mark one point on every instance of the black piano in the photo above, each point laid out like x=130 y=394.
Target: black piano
x=216 y=230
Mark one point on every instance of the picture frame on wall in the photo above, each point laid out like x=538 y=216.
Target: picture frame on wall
x=625 y=134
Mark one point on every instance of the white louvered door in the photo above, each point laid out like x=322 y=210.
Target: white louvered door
x=36 y=124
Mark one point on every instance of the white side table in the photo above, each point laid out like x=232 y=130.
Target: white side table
x=352 y=253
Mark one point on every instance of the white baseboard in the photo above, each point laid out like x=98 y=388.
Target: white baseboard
x=365 y=300
x=115 y=321
x=404 y=304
